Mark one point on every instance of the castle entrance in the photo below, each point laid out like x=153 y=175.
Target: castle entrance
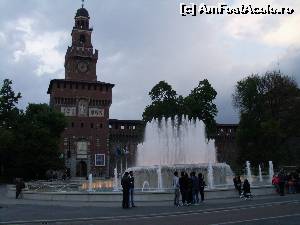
x=81 y=169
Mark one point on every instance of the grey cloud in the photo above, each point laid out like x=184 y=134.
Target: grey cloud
x=140 y=43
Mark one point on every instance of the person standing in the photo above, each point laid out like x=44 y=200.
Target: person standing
x=238 y=184
x=201 y=186
x=195 y=188
x=282 y=180
x=176 y=188
x=131 y=189
x=190 y=189
x=19 y=186
x=125 y=185
x=183 y=187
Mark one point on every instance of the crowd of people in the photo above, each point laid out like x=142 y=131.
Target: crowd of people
x=188 y=187
x=286 y=182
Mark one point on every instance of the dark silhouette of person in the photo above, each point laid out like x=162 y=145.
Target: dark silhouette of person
x=246 y=189
x=195 y=189
x=238 y=184
x=19 y=186
x=282 y=181
x=183 y=187
x=190 y=189
x=125 y=185
x=131 y=189
x=201 y=186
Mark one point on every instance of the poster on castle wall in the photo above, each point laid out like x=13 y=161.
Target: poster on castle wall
x=96 y=112
x=81 y=149
x=68 y=111
x=99 y=159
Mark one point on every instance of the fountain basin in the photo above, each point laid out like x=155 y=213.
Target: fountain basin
x=141 y=198
x=221 y=173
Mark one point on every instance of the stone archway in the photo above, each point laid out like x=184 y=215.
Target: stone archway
x=81 y=169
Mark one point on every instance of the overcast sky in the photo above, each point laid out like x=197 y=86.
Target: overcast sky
x=144 y=41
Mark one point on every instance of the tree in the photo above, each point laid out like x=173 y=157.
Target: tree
x=38 y=136
x=199 y=105
x=269 y=107
x=164 y=102
x=8 y=102
x=9 y=114
x=29 y=141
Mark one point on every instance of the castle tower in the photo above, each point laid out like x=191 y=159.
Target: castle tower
x=85 y=102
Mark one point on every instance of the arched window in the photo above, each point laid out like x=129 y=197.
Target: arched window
x=82 y=38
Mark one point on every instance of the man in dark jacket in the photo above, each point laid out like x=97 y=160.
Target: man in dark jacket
x=131 y=189
x=282 y=181
x=183 y=187
x=125 y=185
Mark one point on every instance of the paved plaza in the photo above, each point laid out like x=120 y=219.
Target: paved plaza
x=269 y=210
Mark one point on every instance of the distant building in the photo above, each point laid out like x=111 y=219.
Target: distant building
x=225 y=142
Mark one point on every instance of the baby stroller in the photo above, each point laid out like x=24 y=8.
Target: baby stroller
x=246 y=195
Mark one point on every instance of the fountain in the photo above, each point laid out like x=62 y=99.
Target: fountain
x=116 y=184
x=169 y=146
x=248 y=170
x=159 y=179
x=210 y=176
x=271 y=171
x=145 y=183
x=260 y=174
x=90 y=182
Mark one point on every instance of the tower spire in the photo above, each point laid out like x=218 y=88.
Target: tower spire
x=82 y=4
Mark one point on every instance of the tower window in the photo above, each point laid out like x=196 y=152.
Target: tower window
x=81 y=125
x=82 y=38
x=92 y=125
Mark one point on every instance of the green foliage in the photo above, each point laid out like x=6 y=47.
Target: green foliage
x=164 y=102
x=29 y=140
x=197 y=105
x=8 y=102
x=269 y=118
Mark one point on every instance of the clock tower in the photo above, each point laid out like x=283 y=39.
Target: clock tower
x=81 y=60
x=85 y=102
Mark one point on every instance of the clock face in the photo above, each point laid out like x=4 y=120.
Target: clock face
x=82 y=67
